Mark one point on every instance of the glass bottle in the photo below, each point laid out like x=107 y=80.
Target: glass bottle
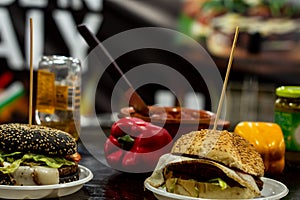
x=58 y=93
x=287 y=116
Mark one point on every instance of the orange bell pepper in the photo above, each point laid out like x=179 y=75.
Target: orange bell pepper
x=268 y=140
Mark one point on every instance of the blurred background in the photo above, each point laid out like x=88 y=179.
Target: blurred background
x=266 y=55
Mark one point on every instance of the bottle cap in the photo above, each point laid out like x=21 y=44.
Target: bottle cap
x=288 y=91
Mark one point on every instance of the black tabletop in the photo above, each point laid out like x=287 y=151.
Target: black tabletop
x=110 y=184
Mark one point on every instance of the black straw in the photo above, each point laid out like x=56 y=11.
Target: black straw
x=93 y=42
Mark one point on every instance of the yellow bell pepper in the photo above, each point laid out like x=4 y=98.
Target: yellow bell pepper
x=268 y=140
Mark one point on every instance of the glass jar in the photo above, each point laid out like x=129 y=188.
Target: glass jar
x=58 y=94
x=287 y=116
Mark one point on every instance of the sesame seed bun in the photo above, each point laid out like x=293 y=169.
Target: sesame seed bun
x=5 y=179
x=36 y=139
x=224 y=147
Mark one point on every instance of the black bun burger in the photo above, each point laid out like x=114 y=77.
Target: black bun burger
x=212 y=165
x=36 y=155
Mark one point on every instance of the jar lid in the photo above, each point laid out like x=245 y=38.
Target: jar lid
x=288 y=91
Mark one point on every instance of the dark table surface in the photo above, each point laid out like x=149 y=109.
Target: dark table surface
x=110 y=184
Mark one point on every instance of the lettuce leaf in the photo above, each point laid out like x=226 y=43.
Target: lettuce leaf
x=12 y=167
x=219 y=182
x=53 y=162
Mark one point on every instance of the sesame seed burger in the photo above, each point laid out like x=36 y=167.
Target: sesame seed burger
x=36 y=155
x=212 y=165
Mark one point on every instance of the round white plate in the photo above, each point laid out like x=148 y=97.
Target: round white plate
x=272 y=190
x=46 y=191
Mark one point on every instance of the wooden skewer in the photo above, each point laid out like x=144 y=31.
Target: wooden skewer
x=226 y=79
x=31 y=72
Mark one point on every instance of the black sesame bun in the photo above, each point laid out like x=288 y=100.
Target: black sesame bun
x=36 y=139
x=43 y=155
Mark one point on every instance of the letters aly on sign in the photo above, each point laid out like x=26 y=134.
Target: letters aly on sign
x=62 y=15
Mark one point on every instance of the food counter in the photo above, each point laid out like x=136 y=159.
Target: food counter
x=110 y=184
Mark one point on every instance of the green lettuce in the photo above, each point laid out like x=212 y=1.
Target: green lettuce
x=17 y=158
x=219 y=182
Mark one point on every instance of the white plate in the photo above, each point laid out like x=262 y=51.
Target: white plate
x=272 y=190
x=46 y=191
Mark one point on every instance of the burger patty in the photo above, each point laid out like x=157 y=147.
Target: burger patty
x=259 y=182
x=67 y=170
x=69 y=178
x=68 y=173
x=203 y=173
x=199 y=172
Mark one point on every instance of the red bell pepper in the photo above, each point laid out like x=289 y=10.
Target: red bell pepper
x=135 y=145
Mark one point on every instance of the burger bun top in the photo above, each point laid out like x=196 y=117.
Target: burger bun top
x=224 y=147
x=36 y=139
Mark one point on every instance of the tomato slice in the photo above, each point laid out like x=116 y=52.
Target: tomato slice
x=76 y=157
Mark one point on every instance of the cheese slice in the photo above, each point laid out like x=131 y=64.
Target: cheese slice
x=36 y=175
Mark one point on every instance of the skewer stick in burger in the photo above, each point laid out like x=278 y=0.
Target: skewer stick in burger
x=36 y=155
x=209 y=164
